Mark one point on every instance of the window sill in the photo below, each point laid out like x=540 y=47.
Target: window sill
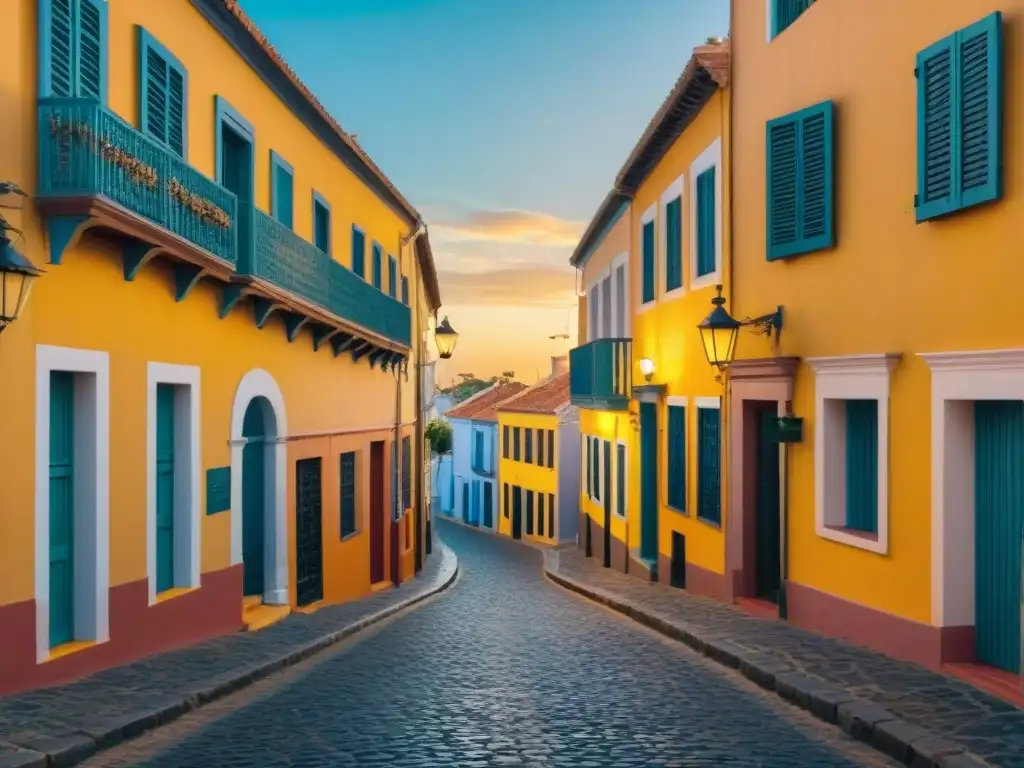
x=677 y=510
x=66 y=649
x=173 y=592
x=716 y=524
x=706 y=281
x=353 y=534
x=647 y=306
x=674 y=293
x=870 y=542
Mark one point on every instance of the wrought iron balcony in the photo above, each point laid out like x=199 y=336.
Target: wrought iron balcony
x=97 y=170
x=288 y=261
x=600 y=374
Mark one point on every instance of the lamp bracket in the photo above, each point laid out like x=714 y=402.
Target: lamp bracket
x=765 y=325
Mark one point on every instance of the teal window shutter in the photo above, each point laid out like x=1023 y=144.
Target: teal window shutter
x=785 y=12
x=705 y=223
x=405 y=290
x=674 y=244
x=800 y=194
x=677 y=457
x=960 y=120
x=648 y=262
x=377 y=266
x=528 y=445
x=163 y=95
x=164 y=487
x=596 y=469
x=590 y=469
x=478 y=451
x=282 y=190
x=358 y=252
x=709 y=476
x=540 y=447
x=862 y=465
x=392 y=277
x=348 y=493
x=540 y=514
x=321 y=223
x=551 y=449
x=73 y=49
x=620 y=479
x=406 y=472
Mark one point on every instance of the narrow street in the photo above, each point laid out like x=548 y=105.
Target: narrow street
x=502 y=669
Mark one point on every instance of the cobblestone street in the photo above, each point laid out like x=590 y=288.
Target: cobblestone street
x=506 y=669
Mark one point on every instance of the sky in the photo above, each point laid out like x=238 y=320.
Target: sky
x=504 y=122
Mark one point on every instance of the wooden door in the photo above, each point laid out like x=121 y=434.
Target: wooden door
x=377 y=512
x=309 y=581
x=164 y=487
x=62 y=508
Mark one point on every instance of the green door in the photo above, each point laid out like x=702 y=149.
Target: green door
x=253 y=502
x=649 y=482
x=998 y=527
x=488 y=505
x=62 y=509
x=164 y=487
x=769 y=538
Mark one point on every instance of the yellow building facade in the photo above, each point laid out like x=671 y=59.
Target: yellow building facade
x=665 y=439
x=889 y=249
x=215 y=382
x=538 y=437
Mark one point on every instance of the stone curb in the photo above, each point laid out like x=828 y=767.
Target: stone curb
x=73 y=748
x=863 y=720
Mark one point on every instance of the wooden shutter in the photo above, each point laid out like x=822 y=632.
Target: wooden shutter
x=377 y=266
x=708 y=457
x=406 y=472
x=862 y=465
x=785 y=12
x=590 y=468
x=551 y=448
x=164 y=94
x=358 y=252
x=706 y=222
x=164 y=487
x=62 y=40
x=648 y=262
x=959 y=120
x=348 y=493
x=540 y=514
x=405 y=290
x=620 y=479
x=673 y=246
x=91 y=48
x=283 y=200
x=322 y=226
x=62 y=507
x=392 y=277
x=677 y=457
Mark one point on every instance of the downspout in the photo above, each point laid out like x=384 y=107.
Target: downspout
x=415 y=359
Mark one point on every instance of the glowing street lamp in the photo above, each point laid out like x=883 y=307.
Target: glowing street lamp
x=445 y=337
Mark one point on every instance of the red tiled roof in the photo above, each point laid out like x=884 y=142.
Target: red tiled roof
x=547 y=396
x=483 y=406
x=423 y=252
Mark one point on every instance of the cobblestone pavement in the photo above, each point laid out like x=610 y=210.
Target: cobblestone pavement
x=985 y=725
x=507 y=669
x=69 y=722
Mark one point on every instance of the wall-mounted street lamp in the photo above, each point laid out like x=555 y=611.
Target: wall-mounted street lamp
x=719 y=329
x=17 y=274
x=647 y=369
x=445 y=337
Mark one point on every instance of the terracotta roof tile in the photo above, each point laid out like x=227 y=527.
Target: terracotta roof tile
x=548 y=396
x=483 y=405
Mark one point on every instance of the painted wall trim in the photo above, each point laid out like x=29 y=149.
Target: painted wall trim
x=854 y=377
x=259 y=383
x=187 y=491
x=709 y=158
x=959 y=379
x=91 y=492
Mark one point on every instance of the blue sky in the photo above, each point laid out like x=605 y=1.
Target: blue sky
x=504 y=123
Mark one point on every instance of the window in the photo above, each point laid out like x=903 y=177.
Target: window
x=528 y=445
x=504 y=494
x=515 y=443
x=595 y=468
x=672 y=235
x=709 y=450
x=551 y=449
x=594 y=313
x=392 y=277
x=588 y=468
x=540 y=514
x=959 y=120
x=783 y=13
x=358 y=252
x=541 y=435
x=321 y=223
x=851 y=449
x=406 y=472
x=551 y=515
x=163 y=92
x=478 y=451
x=705 y=222
x=606 y=305
x=282 y=190
x=405 y=290
x=800 y=170
x=647 y=257
x=378 y=266
x=620 y=480
x=504 y=441
x=529 y=512
x=73 y=49
x=347 y=467
x=676 y=475
x=620 y=308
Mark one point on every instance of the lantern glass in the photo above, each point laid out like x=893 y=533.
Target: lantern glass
x=445 y=337
x=17 y=274
x=647 y=368
x=719 y=344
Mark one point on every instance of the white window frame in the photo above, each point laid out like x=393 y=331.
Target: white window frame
x=187 y=472
x=709 y=158
x=959 y=379
x=651 y=214
x=624 y=515
x=622 y=260
x=674 y=190
x=837 y=379
x=684 y=403
x=91 y=489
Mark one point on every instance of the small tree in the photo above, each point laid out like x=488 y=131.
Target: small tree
x=439 y=435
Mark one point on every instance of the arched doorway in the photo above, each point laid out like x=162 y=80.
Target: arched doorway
x=259 y=529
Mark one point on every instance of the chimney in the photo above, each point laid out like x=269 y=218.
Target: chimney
x=559 y=365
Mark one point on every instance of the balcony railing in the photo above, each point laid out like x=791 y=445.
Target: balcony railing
x=600 y=374
x=86 y=151
x=296 y=265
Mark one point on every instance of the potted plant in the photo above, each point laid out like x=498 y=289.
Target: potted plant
x=439 y=436
x=790 y=428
